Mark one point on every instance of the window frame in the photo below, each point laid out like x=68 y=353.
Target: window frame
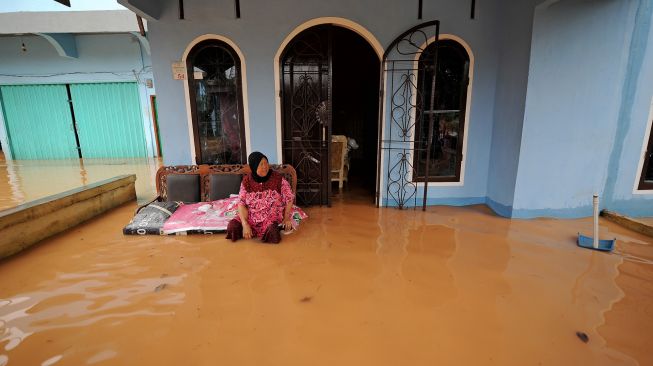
x=464 y=104
x=192 y=54
x=643 y=184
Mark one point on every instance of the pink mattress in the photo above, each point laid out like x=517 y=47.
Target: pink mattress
x=211 y=217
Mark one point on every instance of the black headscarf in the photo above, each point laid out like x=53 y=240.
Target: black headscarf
x=254 y=160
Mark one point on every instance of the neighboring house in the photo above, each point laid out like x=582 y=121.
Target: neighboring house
x=75 y=84
x=536 y=105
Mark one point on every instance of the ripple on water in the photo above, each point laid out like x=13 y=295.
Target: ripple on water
x=52 y=360
x=101 y=356
x=76 y=304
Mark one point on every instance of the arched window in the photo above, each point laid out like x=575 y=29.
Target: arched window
x=446 y=110
x=215 y=89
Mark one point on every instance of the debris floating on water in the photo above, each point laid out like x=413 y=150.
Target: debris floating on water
x=583 y=337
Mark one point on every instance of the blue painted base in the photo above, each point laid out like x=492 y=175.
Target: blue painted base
x=462 y=201
x=605 y=245
x=498 y=208
x=639 y=208
x=560 y=213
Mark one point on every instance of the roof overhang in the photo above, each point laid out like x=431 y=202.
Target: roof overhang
x=100 y=21
x=60 y=28
x=150 y=10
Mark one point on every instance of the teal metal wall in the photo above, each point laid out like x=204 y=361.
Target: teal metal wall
x=38 y=122
x=109 y=121
x=103 y=58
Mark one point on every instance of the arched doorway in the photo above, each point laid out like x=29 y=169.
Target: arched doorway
x=330 y=90
x=216 y=103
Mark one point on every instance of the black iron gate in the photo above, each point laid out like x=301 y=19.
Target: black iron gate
x=410 y=74
x=306 y=110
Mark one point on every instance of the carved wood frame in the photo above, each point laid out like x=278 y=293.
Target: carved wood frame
x=205 y=171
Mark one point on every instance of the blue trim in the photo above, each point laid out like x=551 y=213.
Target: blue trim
x=452 y=201
x=633 y=208
x=499 y=208
x=558 y=213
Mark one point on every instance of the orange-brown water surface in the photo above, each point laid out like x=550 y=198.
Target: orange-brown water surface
x=26 y=180
x=355 y=285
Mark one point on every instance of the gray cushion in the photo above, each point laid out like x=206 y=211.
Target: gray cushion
x=150 y=219
x=183 y=187
x=223 y=185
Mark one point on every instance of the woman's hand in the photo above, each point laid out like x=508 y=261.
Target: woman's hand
x=247 y=230
x=287 y=214
x=287 y=224
x=243 y=213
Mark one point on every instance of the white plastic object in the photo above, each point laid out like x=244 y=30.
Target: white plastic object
x=595 y=204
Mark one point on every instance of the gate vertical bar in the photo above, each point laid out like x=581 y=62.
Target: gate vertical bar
x=429 y=135
x=327 y=137
x=380 y=129
x=387 y=181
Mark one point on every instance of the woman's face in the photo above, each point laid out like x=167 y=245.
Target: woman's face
x=263 y=168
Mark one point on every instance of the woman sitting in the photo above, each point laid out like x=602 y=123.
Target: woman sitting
x=266 y=201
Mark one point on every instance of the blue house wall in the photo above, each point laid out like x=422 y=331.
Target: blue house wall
x=587 y=105
x=559 y=103
x=261 y=31
x=634 y=121
x=514 y=43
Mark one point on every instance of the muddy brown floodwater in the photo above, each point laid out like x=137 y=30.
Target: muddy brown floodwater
x=354 y=286
x=26 y=180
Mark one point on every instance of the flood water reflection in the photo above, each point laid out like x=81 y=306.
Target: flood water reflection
x=26 y=180
x=355 y=285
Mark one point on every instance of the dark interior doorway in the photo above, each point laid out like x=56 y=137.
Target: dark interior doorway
x=330 y=91
x=355 y=107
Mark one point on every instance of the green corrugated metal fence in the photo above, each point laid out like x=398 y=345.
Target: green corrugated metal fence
x=38 y=122
x=109 y=120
